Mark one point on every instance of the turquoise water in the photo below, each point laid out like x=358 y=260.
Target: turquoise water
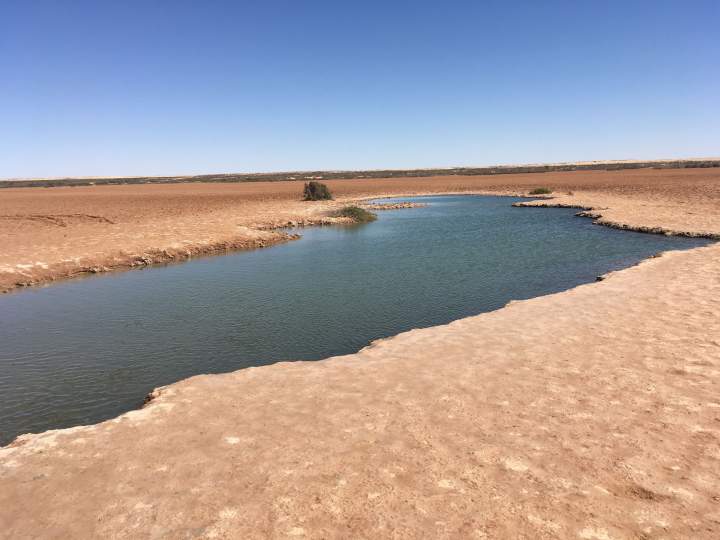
x=83 y=351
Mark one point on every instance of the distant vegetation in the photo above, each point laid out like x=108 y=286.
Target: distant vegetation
x=541 y=191
x=357 y=214
x=384 y=173
x=316 y=191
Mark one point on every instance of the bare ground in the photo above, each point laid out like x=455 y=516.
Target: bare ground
x=592 y=413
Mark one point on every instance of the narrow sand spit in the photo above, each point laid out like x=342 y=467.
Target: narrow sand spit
x=592 y=413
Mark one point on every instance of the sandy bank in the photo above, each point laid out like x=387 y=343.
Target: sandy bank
x=592 y=413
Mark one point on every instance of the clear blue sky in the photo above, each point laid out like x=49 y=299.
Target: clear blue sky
x=108 y=87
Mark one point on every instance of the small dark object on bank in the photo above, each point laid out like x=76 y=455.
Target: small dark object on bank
x=315 y=191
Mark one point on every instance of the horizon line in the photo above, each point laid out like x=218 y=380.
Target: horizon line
x=336 y=171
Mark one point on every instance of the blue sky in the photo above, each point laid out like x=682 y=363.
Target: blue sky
x=169 y=87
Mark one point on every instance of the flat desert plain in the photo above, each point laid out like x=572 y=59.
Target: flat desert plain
x=593 y=413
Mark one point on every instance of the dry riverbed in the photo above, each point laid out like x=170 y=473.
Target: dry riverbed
x=592 y=413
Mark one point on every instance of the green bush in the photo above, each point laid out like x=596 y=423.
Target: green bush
x=541 y=191
x=315 y=191
x=357 y=214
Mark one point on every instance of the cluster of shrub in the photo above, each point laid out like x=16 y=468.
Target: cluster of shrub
x=541 y=191
x=316 y=191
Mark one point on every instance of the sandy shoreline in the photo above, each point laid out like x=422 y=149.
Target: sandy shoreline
x=591 y=413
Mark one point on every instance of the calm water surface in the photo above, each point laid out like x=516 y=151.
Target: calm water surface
x=83 y=351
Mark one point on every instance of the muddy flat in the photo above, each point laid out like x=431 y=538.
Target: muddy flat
x=591 y=413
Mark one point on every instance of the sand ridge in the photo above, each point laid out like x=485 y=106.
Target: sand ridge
x=591 y=413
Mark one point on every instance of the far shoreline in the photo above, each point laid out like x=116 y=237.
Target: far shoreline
x=36 y=229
